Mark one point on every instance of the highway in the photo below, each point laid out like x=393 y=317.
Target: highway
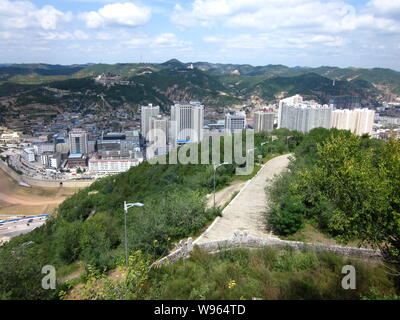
x=16 y=227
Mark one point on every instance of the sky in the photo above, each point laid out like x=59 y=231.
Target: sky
x=357 y=33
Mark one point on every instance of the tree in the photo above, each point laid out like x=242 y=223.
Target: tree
x=364 y=190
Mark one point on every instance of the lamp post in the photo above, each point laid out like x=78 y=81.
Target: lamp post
x=261 y=144
x=126 y=207
x=287 y=141
x=216 y=166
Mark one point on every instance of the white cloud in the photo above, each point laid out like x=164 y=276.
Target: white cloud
x=125 y=14
x=276 y=41
x=65 y=35
x=24 y=14
x=164 y=40
x=327 y=16
x=385 y=7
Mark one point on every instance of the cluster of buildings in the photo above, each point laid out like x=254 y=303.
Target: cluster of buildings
x=110 y=79
x=107 y=154
x=93 y=147
x=10 y=137
x=163 y=134
x=186 y=125
x=298 y=114
x=110 y=153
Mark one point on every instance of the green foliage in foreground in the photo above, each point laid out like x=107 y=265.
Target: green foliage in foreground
x=89 y=225
x=349 y=185
x=266 y=273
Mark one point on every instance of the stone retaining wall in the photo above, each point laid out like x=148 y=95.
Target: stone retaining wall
x=44 y=183
x=243 y=239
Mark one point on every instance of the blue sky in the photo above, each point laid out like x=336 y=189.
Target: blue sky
x=359 y=33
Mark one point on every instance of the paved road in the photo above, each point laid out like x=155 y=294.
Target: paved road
x=225 y=195
x=22 y=226
x=246 y=212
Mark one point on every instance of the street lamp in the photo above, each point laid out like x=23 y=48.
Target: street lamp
x=287 y=140
x=262 y=143
x=126 y=207
x=216 y=166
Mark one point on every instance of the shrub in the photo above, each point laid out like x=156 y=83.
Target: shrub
x=288 y=216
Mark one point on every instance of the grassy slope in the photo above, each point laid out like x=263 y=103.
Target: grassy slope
x=265 y=274
x=239 y=274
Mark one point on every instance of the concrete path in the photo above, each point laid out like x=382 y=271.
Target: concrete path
x=246 y=212
x=224 y=196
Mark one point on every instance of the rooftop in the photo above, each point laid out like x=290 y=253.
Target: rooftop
x=75 y=156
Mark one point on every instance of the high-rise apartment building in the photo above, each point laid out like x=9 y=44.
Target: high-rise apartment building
x=187 y=122
x=358 y=121
x=235 y=122
x=296 y=114
x=264 y=121
x=159 y=134
x=296 y=99
x=146 y=113
x=78 y=141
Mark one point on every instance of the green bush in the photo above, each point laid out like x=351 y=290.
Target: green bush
x=288 y=216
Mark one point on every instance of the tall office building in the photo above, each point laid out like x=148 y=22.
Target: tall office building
x=296 y=114
x=235 y=122
x=187 y=122
x=146 y=113
x=264 y=121
x=358 y=121
x=78 y=141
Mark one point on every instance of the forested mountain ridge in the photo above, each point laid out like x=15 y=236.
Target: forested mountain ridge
x=26 y=87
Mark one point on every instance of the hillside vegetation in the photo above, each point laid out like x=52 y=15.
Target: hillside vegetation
x=88 y=233
x=267 y=273
x=347 y=186
x=88 y=228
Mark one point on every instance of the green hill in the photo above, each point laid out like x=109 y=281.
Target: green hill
x=315 y=86
x=89 y=225
x=212 y=84
x=87 y=234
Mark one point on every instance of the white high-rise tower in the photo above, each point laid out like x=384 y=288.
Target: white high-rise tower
x=146 y=113
x=187 y=122
x=78 y=141
x=358 y=121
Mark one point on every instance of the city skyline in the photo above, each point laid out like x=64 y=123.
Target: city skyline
x=258 y=32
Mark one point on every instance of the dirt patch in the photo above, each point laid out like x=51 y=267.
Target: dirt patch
x=311 y=234
x=18 y=200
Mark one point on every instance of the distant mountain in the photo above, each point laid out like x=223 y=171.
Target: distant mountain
x=174 y=64
x=9 y=71
x=216 y=85
x=157 y=85
x=316 y=87
x=244 y=69
x=386 y=80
